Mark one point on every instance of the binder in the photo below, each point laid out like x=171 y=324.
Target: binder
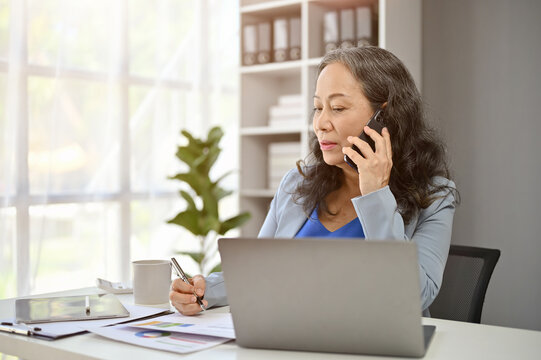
x=280 y=48
x=330 y=31
x=347 y=28
x=364 y=26
x=295 y=38
x=249 y=45
x=264 y=44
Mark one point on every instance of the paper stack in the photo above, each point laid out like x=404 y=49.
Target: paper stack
x=282 y=158
x=175 y=332
x=288 y=112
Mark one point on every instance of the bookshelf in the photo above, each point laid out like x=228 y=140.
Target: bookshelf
x=396 y=26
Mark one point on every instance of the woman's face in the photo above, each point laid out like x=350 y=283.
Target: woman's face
x=340 y=110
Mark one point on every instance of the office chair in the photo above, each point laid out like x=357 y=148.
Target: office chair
x=465 y=281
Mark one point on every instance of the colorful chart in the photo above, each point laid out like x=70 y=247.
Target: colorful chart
x=159 y=339
x=219 y=325
x=151 y=334
x=164 y=324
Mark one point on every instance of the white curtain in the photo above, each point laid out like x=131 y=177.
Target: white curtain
x=93 y=95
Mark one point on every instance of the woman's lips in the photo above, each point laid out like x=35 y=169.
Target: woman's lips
x=327 y=145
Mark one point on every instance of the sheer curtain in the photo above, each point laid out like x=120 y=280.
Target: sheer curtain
x=93 y=95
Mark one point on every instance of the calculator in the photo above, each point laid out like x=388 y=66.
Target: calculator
x=113 y=287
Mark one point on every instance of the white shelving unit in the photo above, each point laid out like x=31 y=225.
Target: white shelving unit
x=398 y=30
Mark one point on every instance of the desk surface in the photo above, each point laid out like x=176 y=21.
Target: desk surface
x=452 y=340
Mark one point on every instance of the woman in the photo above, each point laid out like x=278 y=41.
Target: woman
x=400 y=191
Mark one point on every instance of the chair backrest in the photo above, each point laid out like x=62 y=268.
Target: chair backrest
x=465 y=281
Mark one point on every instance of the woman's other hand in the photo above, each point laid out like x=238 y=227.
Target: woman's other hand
x=182 y=295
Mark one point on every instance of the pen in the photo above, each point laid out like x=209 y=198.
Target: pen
x=20 y=329
x=15 y=330
x=183 y=276
x=87 y=305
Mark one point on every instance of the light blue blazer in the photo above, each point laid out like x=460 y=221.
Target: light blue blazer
x=430 y=229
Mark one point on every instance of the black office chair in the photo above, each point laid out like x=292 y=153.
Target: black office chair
x=465 y=281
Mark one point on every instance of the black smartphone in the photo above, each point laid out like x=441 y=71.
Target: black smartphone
x=376 y=123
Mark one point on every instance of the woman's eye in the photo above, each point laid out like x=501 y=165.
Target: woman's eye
x=317 y=109
x=338 y=109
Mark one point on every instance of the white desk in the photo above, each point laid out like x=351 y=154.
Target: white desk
x=452 y=340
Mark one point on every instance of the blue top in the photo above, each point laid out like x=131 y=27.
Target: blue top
x=429 y=228
x=314 y=228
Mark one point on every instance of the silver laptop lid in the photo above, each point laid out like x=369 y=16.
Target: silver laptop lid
x=330 y=295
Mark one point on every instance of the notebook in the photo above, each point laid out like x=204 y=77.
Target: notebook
x=328 y=295
x=68 y=308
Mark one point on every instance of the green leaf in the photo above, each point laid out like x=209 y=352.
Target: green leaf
x=187 y=155
x=212 y=156
x=214 y=135
x=199 y=164
x=193 y=141
x=196 y=256
x=210 y=203
x=188 y=219
x=234 y=222
x=223 y=176
x=189 y=200
x=210 y=223
x=204 y=163
x=217 y=268
x=220 y=193
x=191 y=179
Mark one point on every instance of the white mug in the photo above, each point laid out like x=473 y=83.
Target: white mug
x=151 y=281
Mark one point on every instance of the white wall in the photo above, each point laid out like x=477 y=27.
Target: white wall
x=482 y=85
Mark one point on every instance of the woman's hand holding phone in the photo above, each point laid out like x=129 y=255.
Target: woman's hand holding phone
x=374 y=167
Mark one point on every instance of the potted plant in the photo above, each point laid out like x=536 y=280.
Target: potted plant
x=201 y=216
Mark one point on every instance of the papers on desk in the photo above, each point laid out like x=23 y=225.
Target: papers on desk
x=61 y=329
x=174 y=332
x=219 y=324
x=159 y=339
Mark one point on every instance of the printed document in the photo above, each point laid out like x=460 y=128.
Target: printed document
x=159 y=339
x=210 y=324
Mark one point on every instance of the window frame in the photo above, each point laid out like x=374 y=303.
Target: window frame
x=18 y=71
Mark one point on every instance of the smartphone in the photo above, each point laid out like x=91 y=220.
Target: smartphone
x=376 y=123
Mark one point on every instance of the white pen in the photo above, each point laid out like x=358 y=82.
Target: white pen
x=87 y=304
x=21 y=329
x=14 y=330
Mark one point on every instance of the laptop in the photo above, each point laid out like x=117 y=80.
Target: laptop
x=327 y=295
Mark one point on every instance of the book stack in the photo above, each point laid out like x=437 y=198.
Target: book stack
x=288 y=112
x=347 y=28
x=282 y=158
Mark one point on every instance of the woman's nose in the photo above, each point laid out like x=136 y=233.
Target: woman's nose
x=322 y=122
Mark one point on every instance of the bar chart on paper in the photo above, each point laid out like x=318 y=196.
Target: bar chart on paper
x=159 y=339
x=220 y=325
x=164 y=324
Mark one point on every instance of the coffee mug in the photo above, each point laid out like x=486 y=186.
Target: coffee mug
x=151 y=281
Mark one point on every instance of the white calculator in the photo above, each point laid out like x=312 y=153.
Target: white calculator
x=113 y=287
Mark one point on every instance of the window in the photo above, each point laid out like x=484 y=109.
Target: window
x=93 y=95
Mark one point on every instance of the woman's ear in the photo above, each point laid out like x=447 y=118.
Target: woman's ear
x=384 y=105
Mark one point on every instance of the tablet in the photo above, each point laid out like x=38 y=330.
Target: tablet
x=69 y=308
